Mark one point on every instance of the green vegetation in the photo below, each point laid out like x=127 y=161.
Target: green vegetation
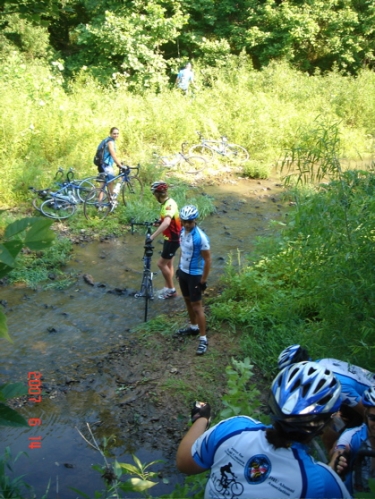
x=45 y=125
x=314 y=284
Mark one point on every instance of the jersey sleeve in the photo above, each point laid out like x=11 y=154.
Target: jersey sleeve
x=204 y=448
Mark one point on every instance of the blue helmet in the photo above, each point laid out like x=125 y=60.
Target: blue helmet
x=189 y=212
x=303 y=397
x=291 y=355
x=368 y=397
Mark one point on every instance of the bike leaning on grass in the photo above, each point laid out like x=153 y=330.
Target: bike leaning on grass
x=103 y=200
x=147 y=287
x=75 y=190
x=183 y=162
x=209 y=148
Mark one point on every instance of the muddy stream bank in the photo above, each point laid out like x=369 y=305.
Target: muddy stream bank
x=96 y=369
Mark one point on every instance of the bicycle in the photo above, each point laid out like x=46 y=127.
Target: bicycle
x=183 y=162
x=78 y=188
x=208 y=148
x=100 y=201
x=147 y=287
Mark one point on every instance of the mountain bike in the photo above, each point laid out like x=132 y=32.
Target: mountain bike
x=102 y=200
x=79 y=189
x=147 y=287
x=208 y=148
x=182 y=162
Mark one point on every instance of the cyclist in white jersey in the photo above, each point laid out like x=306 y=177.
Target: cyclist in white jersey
x=193 y=270
x=249 y=460
x=351 y=442
x=354 y=381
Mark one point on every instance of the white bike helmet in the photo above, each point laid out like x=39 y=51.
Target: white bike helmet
x=368 y=397
x=159 y=186
x=291 y=355
x=303 y=398
x=189 y=212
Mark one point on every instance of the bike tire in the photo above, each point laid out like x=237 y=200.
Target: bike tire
x=149 y=294
x=194 y=164
x=84 y=188
x=132 y=189
x=236 y=154
x=58 y=209
x=236 y=488
x=97 y=204
x=203 y=151
x=37 y=203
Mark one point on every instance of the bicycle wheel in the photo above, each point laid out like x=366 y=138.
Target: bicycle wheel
x=97 y=204
x=236 y=488
x=236 y=154
x=149 y=294
x=201 y=150
x=132 y=190
x=37 y=203
x=84 y=189
x=193 y=164
x=58 y=209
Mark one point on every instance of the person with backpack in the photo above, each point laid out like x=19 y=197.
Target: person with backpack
x=106 y=156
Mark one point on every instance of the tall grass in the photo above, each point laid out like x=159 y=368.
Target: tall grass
x=46 y=124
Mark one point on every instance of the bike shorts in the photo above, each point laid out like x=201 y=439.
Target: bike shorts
x=189 y=286
x=109 y=173
x=169 y=249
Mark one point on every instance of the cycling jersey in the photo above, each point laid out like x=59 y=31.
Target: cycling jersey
x=191 y=244
x=107 y=157
x=354 y=380
x=169 y=209
x=357 y=439
x=245 y=465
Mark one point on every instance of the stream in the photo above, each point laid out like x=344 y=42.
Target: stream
x=69 y=335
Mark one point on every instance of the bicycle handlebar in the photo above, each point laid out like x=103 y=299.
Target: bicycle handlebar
x=127 y=168
x=148 y=225
x=70 y=175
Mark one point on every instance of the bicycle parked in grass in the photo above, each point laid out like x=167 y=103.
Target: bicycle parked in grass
x=62 y=203
x=209 y=148
x=103 y=200
x=185 y=163
x=147 y=287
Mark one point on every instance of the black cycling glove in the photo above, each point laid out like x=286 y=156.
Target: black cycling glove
x=201 y=410
x=202 y=286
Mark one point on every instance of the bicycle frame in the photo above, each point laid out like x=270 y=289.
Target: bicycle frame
x=147 y=289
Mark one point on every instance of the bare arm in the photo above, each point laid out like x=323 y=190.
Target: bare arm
x=206 y=254
x=112 y=152
x=164 y=225
x=185 y=462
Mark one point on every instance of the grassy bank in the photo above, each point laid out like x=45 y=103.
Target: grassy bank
x=45 y=125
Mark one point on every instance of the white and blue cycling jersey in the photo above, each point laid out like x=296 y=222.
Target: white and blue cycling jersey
x=245 y=465
x=354 y=380
x=354 y=440
x=191 y=244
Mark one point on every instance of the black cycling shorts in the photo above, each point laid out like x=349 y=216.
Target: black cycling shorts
x=169 y=249
x=189 y=286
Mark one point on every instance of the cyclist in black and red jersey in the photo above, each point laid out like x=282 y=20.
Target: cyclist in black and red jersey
x=170 y=227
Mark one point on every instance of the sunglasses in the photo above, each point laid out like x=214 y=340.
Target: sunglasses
x=371 y=417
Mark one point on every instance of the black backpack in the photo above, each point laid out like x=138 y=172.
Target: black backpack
x=98 y=158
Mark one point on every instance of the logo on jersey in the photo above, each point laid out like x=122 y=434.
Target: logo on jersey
x=257 y=469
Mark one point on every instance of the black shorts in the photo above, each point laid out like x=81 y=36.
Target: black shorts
x=169 y=249
x=189 y=286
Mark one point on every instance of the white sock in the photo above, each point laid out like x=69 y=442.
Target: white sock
x=194 y=326
x=203 y=338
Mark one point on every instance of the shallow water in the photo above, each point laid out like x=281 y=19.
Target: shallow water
x=59 y=333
